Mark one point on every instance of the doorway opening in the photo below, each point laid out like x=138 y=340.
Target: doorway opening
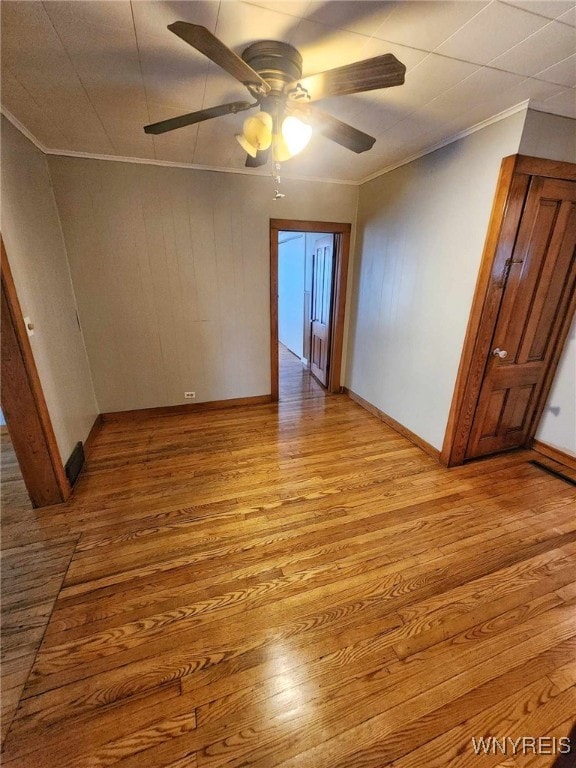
x=308 y=275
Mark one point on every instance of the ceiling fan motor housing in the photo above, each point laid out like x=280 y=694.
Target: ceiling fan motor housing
x=277 y=63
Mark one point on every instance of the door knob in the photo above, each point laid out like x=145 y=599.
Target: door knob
x=501 y=353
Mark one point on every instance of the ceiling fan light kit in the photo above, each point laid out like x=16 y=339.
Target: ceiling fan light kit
x=258 y=136
x=272 y=72
x=296 y=134
x=256 y=133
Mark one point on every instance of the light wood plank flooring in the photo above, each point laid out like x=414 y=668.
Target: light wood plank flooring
x=292 y=585
x=296 y=382
x=35 y=556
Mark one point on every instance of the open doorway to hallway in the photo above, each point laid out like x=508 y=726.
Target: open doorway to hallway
x=305 y=292
x=308 y=276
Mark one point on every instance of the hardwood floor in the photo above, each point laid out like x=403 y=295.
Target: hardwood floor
x=294 y=585
x=33 y=565
x=296 y=381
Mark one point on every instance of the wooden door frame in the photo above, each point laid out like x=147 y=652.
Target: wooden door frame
x=27 y=415
x=341 y=261
x=513 y=184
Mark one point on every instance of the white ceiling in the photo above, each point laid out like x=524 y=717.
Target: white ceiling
x=86 y=76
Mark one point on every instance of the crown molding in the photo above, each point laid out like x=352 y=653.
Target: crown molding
x=23 y=130
x=190 y=166
x=538 y=106
x=151 y=161
x=523 y=105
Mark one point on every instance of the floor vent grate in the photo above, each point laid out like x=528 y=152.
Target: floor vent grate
x=551 y=471
x=74 y=464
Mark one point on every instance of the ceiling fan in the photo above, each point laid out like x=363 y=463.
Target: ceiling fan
x=272 y=73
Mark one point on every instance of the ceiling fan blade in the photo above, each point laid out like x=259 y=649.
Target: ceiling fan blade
x=368 y=75
x=197 y=117
x=261 y=158
x=205 y=42
x=340 y=132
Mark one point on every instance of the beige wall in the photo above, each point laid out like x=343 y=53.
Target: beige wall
x=558 y=423
x=420 y=235
x=171 y=272
x=549 y=136
x=37 y=256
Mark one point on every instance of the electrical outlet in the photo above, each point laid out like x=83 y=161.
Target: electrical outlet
x=190 y=395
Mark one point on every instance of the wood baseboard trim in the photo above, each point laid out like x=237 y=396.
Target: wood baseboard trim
x=96 y=427
x=554 y=453
x=395 y=425
x=176 y=410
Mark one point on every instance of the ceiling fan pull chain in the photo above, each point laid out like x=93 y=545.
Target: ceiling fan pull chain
x=276 y=177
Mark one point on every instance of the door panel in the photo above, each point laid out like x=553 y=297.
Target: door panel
x=322 y=280
x=539 y=285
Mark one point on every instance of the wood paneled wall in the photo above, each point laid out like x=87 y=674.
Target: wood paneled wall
x=37 y=255
x=558 y=424
x=420 y=234
x=171 y=271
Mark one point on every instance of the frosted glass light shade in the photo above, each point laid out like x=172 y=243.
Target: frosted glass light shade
x=281 y=150
x=256 y=133
x=296 y=134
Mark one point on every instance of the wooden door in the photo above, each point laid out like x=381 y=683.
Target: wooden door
x=322 y=279
x=538 y=287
